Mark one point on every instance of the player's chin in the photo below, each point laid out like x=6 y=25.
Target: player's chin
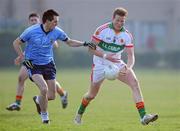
x=53 y=27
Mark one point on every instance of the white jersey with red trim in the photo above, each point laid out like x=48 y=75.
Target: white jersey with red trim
x=111 y=42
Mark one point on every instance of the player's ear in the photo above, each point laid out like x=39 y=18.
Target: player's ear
x=112 y=18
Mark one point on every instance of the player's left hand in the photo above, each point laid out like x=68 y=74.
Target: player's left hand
x=90 y=45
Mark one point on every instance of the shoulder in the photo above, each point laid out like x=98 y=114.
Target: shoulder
x=29 y=31
x=128 y=34
x=58 y=29
x=33 y=27
x=60 y=34
x=102 y=28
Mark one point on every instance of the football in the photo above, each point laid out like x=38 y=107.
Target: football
x=111 y=72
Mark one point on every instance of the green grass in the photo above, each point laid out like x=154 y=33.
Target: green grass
x=113 y=109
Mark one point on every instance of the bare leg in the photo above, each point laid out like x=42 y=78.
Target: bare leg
x=23 y=75
x=131 y=80
x=63 y=95
x=51 y=89
x=59 y=89
x=90 y=95
x=43 y=87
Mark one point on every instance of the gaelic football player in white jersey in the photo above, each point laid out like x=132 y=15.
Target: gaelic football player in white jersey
x=112 y=39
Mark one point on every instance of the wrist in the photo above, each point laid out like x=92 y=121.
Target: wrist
x=84 y=43
x=104 y=56
x=21 y=55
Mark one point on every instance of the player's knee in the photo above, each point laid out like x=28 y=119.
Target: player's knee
x=52 y=97
x=91 y=97
x=135 y=84
x=44 y=91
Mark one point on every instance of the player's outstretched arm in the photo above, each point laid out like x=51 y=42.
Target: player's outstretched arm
x=76 y=43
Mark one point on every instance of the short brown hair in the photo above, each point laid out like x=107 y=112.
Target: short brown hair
x=33 y=15
x=49 y=15
x=120 y=11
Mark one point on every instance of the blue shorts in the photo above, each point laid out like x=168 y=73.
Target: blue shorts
x=48 y=71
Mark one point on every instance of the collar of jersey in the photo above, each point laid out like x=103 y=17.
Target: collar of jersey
x=112 y=27
x=44 y=30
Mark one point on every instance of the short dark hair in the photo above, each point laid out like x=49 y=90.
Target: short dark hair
x=120 y=11
x=49 y=15
x=33 y=15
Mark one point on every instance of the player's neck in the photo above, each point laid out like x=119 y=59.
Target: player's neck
x=116 y=30
x=46 y=28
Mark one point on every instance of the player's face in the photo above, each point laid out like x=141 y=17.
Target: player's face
x=34 y=20
x=118 y=22
x=52 y=24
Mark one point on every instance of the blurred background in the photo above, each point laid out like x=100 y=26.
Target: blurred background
x=155 y=25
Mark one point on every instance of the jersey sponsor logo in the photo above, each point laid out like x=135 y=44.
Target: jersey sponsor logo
x=121 y=40
x=111 y=47
x=114 y=39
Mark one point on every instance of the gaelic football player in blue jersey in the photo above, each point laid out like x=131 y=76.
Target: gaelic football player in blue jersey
x=33 y=19
x=39 y=57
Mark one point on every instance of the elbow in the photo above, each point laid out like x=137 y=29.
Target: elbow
x=14 y=43
x=69 y=43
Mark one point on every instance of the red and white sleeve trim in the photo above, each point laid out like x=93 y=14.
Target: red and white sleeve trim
x=129 y=46
x=95 y=38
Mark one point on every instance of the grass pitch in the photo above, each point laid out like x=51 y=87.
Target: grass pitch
x=112 y=110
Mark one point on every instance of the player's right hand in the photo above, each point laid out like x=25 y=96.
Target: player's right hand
x=18 y=60
x=90 y=45
x=111 y=58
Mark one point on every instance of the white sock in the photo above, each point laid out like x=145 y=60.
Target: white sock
x=44 y=116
